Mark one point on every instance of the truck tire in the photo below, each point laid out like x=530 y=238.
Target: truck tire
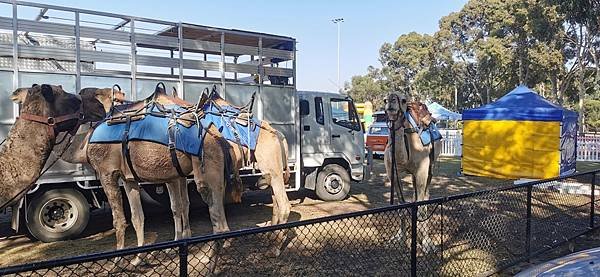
x=333 y=183
x=58 y=214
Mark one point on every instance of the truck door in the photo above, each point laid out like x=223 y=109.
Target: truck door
x=315 y=133
x=346 y=135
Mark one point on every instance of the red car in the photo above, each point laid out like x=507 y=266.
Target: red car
x=377 y=137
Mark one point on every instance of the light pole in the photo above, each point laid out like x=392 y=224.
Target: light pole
x=338 y=22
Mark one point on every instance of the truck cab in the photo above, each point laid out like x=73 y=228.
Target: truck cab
x=332 y=147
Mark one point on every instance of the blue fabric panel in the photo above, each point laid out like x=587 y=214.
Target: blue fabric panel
x=151 y=128
x=520 y=104
x=441 y=113
x=426 y=137
x=248 y=135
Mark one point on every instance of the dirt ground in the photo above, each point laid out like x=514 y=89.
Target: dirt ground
x=255 y=210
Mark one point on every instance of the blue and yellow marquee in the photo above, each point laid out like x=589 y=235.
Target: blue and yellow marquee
x=521 y=135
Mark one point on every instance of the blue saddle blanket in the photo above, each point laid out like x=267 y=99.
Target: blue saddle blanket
x=427 y=137
x=224 y=119
x=152 y=128
x=427 y=134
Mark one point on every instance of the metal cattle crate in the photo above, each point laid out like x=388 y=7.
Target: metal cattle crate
x=79 y=48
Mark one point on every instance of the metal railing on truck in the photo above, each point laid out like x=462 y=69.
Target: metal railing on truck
x=477 y=233
x=77 y=48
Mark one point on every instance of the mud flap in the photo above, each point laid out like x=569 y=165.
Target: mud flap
x=16 y=212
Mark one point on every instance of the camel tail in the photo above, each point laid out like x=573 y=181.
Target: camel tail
x=284 y=156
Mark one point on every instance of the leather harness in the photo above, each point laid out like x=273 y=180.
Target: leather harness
x=53 y=123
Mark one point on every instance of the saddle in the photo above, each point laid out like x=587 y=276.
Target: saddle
x=159 y=118
x=422 y=122
x=420 y=113
x=157 y=104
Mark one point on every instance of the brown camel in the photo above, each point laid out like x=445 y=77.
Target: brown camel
x=270 y=157
x=152 y=163
x=46 y=110
x=411 y=155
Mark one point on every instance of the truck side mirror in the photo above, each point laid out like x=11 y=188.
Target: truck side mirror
x=304 y=109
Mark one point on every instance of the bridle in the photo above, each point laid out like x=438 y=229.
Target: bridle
x=54 y=123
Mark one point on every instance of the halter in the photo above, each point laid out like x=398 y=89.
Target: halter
x=53 y=123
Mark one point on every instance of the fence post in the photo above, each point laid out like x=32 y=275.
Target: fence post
x=183 y=259
x=593 y=201
x=413 y=240
x=528 y=226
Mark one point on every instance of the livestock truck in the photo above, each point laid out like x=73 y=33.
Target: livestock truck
x=79 y=48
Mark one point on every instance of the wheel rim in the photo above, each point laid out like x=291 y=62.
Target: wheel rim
x=333 y=183
x=58 y=215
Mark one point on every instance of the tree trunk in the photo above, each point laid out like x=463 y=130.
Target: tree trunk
x=555 y=91
x=581 y=79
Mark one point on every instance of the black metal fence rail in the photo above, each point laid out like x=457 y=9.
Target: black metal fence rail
x=470 y=234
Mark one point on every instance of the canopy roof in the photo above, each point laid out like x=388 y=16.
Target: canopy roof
x=521 y=103
x=441 y=113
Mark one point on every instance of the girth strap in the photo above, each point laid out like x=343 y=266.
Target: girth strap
x=172 y=150
x=125 y=149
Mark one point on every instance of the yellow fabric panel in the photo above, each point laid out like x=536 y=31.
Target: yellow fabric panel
x=511 y=149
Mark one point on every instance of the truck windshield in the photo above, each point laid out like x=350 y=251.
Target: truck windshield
x=343 y=113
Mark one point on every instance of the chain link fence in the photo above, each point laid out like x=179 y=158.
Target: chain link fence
x=478 y=233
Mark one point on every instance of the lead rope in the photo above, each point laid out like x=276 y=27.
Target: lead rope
x=395 y=176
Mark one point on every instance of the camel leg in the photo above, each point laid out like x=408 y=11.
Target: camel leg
x=115 y=200
x=132 y=189
x=421 y=183
x=185 y=208
x=211 y=186
x=273 y=168
x=176 y=207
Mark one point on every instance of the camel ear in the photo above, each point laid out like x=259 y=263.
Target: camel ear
x=48 y=93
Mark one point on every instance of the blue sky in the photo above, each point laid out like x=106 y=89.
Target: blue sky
x=368 y=24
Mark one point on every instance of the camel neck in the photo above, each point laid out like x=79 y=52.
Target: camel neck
x=22 y=157
x=74 y=150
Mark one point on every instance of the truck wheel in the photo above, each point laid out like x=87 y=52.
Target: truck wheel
x=333 y=183
x=58 y=214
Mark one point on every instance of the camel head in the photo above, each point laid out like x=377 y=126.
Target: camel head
x=18 y=96
x=395 y=106
x=98 y=101
x=48 y=101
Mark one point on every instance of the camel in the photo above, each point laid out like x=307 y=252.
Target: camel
x=411 y=155
x=152 y=163
x=269 y=156
x=46 y=110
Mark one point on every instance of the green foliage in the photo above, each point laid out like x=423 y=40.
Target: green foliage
x=592 y=109
x=489 y=47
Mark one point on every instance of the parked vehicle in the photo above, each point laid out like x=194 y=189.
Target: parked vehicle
x=136 y=53
x=377 y=137
x=379 y=116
